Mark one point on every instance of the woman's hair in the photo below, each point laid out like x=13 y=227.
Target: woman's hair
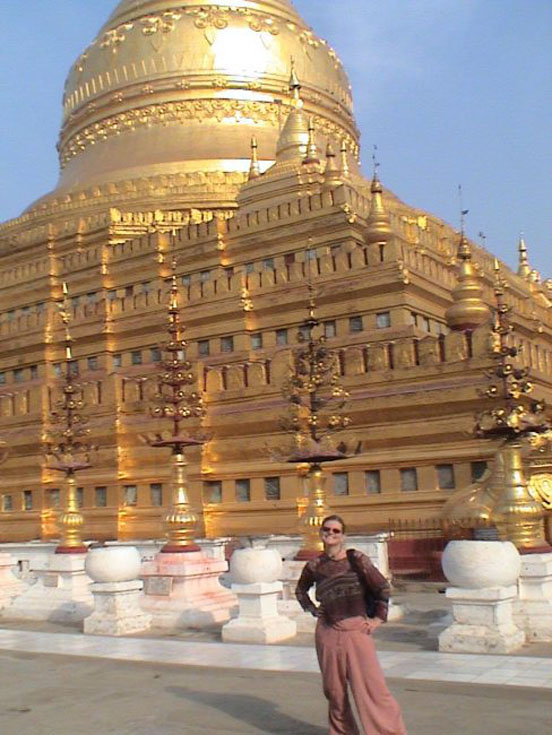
x=337 y=518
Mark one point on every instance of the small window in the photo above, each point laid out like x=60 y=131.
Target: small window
x=272 y=488
x=212 y=491
x=57 y=370
x=383 y=320
x=136 y=357
x=250 y=268
x=100 y=496
x=426 y=323
x=80 y=497
x=155 y=354
x=54 y=498
x=27 y=499
x=335 y=250
x=74 y=367
x=112 y=294
x=7 y=503
x=478 y=469
x=268 y=264
x=204 y=276
x=2 y=378
x=228 y=271
x=409 y=479
x=92 y=362
x=18 y=375
x=281 y=337
x=91 y=298
x=289 y=258
x=146 y=286
x=130 y=495
x=129 y=291
x=257 y=341
x=304 y=333
x=203 y=347
x=75 y=301
x=310 y=254
x=445 y=476
x=156 y=494
x=355 y=324
x=40 y=307
x=25 y=310
x=373 y=482
x=329 y=329
x=243 y=491
x=34 y=372
x=341 y=483
x=186 y=280
x=11 y=315
x=117 y=360
x=227 y=344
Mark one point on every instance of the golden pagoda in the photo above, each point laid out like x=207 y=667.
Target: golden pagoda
x=225 y=134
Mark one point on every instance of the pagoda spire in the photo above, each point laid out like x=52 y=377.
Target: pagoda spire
x=524 y=269
x=379 y=224
x=468 y=310
x=254 y=170
x=294 y=138
x=332 y=174
x=345 y=170
x=312 y=150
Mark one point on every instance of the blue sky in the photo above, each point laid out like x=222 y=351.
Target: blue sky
x=451 y=91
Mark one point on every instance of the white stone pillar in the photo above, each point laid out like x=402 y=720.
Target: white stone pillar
x=484 y=576
x=288 y=605
x=117 y=592
x=258 y=619
x=10 y=586
x=533 y=609
x=254 y=573
x=61 y=593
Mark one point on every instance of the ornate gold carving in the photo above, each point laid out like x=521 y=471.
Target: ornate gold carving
x=209 y=17
x=164 y=23
x=540 y=487
x=114 y=38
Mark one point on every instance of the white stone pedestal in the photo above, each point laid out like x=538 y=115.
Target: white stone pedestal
x=288 y=605
x=258 y=619
x=483 y=621
x=61 y=592
x=533 y=609
x=117 y=609
x=183 y=591
x=10 y=586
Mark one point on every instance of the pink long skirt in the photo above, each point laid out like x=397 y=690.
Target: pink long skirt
x=346 y=654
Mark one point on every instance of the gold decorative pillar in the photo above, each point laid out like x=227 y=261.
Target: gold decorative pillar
x=71 y=521
x=317 y=509
x=518 y=517
x=180 y=522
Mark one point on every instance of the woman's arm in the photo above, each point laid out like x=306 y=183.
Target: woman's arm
x=377 y=584
x=306 y=580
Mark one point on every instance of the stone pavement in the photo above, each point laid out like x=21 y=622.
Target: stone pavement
x=56 y=681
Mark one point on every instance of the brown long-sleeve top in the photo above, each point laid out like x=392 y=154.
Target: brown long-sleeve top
x=339 y=590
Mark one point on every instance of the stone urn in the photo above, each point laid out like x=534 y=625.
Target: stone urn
x=480 y=564
x=255 y=565
x=113 y=563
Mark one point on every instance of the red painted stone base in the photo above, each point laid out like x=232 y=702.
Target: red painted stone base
x=71 y=550
x=544 y=549
x=175 y=549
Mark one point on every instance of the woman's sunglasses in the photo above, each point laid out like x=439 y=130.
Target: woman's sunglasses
x=336 y=531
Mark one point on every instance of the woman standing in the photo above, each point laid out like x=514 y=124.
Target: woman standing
x=344 y=644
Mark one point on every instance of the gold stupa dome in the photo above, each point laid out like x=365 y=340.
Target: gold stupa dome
x=178 y=87
x=468 y=310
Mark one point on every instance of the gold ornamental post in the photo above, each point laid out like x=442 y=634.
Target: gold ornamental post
x=316 y=399
x=178 y=400
x=518 y=421
x=68 y=450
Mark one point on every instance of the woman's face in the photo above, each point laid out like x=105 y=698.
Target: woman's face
x=332 y=534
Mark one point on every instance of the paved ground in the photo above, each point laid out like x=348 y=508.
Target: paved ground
x=57 y=695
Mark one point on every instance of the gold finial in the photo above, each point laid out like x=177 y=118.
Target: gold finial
x=378 y=229
x=295 y=85
x=345 y=171
x=524 y=269
x=468 y=310
x=254 y=170
x=332 y=174
x=312 y=151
